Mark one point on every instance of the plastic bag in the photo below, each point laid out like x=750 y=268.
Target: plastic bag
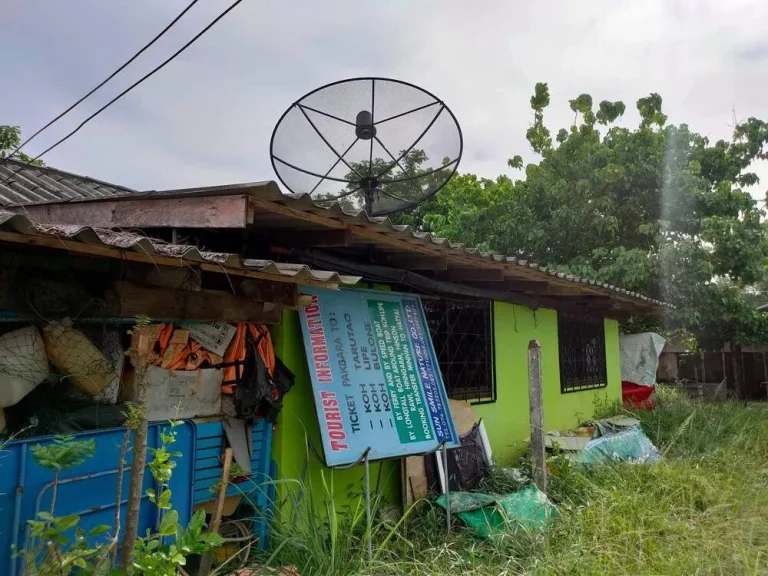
x=489 y=515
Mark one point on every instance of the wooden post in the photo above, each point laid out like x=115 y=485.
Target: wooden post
x=536 y=400
x=207 y=559
x=738 y=371
x=140 y=355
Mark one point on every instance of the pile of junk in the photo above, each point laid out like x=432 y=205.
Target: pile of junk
x=58 y=378
x=470 y=485
x=467 y=482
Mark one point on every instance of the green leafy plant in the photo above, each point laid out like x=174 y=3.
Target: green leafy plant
x=162 y=553
x=61 y=546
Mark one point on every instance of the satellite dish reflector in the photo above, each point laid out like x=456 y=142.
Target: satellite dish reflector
x=368 y=143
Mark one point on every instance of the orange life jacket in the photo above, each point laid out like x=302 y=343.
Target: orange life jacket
x=235 y=354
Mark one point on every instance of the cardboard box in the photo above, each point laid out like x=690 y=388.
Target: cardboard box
x=182 y=394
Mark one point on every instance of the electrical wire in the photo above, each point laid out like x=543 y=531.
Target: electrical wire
x=140 y=80
x=107 y=79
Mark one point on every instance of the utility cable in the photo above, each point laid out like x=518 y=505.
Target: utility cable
x=140 y=80
x=107 y=79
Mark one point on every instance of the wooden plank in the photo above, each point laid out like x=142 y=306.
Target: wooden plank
x=129 y=300
x=529 y=286
x=147 y=212
x=156 y=260
x=287 y=211
x=588 y=299
x=473 y=274
x=414 y=261
x=522 y=286
x=568 y=289
x=285 y=295
x=335 y=238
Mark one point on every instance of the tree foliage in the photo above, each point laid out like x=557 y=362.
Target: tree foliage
x=408 y=178
x=10 y=139
x=658 y=209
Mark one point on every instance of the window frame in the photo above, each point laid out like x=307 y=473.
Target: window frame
x=476 y=395
x=585 y=382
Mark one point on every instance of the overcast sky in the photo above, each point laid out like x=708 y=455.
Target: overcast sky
x=207 y=118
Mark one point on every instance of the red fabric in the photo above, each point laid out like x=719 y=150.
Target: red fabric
x=637 y=396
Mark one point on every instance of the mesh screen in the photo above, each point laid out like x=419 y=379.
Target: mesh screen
x=462 y=333
x=415 y=150
x=581 y=342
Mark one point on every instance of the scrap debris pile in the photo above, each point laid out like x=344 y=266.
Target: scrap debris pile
x=489 y=515
x=59 y=378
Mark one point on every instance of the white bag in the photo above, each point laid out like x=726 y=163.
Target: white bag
x=23 y=364
x=639 y=355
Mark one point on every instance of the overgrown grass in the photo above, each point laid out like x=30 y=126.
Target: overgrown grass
x=702 y=510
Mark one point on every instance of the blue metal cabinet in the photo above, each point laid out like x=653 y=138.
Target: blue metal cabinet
x=90 y=488
x=257 y=489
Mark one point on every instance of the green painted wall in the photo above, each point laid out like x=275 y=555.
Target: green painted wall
x=297 y=425
x=506 y=420
x=562 y=411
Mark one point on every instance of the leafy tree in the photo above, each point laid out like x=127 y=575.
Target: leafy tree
x=658 y=209
x=10 y=139
x=409 y=179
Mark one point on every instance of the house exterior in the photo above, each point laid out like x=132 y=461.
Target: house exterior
x=101 y=280
x=483 y=309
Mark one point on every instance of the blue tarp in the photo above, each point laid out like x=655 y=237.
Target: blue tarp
x=629 y=445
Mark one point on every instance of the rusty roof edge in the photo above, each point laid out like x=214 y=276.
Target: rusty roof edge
x=120 y=240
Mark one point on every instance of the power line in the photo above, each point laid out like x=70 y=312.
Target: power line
x=138 y=82
x=107 y=79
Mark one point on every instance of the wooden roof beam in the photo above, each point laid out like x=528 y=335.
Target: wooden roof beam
x=412 y=261
x=473 y=274
x=527 y=286
x=335 y=238
x=154 y=259
x=146 y=212
x=130 y=300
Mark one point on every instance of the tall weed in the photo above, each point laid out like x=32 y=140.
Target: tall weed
x=703 y=509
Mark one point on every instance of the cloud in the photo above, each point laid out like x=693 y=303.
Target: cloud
x=207 y=118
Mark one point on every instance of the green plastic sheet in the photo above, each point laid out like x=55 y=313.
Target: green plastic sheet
x=490 y=515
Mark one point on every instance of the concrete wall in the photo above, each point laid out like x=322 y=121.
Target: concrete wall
x=506 y=419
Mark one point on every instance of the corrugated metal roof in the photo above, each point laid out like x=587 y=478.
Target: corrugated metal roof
x=22 y=224
x=335 y=210
x=33 y=185
x=22 y=183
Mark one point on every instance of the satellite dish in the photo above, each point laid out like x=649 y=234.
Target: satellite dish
x=368 y=143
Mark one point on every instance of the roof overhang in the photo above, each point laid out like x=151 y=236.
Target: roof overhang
x=296 y=220
x=131 y=247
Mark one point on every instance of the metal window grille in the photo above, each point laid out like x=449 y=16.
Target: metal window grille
x=462 y=333
x=581 y=341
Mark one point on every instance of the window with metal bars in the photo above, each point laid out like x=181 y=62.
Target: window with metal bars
x=581 y=341
x=462 y=333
